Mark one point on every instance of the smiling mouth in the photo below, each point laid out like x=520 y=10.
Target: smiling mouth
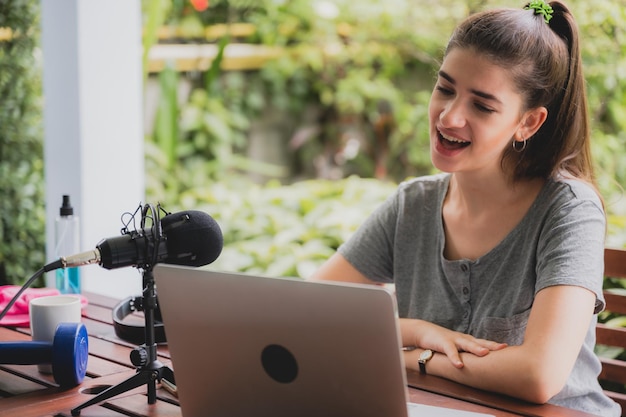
x=451 y=143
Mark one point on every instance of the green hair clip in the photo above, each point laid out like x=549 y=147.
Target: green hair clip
x=540 y=7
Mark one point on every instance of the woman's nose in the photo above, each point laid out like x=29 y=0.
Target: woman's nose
x=452 y=115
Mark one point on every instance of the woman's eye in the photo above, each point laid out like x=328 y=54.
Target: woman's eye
x=444 y=91
x=484 y=109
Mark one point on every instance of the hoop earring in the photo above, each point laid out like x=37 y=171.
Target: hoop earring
x=516 y=148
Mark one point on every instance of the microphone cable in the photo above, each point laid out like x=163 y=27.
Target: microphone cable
x=27 y=284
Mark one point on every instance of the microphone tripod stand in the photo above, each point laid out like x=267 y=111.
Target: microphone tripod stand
x=149 y=369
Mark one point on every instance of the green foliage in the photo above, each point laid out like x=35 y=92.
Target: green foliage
x=22 y=215
x=283 y=230
x=364 y=71
x=603 y=25
x=166 y=130
x=200 y=142
x=354 y=81
x=154 y=12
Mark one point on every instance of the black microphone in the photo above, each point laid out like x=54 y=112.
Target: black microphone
x=191 y=238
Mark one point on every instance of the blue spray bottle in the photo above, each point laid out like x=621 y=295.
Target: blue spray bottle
x=67 y=236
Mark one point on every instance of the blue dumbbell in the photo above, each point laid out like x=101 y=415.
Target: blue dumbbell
x=67 y=353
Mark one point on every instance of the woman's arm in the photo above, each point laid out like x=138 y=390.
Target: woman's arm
x=536 y=370
x=337 y=268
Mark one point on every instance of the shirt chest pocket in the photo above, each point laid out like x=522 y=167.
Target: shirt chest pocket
x=508 y=330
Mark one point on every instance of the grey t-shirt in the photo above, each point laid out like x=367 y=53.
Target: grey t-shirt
x=560 y=241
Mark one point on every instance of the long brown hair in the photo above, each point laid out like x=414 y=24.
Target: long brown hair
x=545 y=63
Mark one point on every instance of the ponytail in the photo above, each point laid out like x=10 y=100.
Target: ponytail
x=572 y=120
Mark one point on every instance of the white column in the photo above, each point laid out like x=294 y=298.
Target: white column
x=92 y=84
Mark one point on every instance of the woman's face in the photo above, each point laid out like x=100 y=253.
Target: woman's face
x=475 y=112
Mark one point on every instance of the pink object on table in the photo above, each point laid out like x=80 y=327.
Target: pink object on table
x=18 y=315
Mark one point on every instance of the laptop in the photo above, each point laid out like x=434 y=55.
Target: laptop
x=255 y=346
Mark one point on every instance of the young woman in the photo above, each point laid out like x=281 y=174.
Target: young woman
x=498 y=261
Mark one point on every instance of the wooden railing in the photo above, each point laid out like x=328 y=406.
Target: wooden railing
x=614 y=370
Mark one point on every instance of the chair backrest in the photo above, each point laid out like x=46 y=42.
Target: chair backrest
x=613 y=373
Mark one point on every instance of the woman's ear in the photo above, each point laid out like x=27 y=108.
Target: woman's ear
x=531 y=122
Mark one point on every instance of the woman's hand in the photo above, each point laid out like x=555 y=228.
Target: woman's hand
x=426 y=335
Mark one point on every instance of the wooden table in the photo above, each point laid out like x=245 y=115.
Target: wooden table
x=25 y=392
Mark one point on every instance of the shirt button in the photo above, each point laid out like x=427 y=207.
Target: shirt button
x=464 y=268
x=465 y=290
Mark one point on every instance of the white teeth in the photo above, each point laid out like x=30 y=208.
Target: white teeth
x=451 y=139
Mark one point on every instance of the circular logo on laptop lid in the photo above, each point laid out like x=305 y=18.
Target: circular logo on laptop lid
x=279 y=363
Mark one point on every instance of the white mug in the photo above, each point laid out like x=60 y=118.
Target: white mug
x=46 y=313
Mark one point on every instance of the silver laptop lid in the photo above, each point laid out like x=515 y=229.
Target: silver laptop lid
x=254 y=346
